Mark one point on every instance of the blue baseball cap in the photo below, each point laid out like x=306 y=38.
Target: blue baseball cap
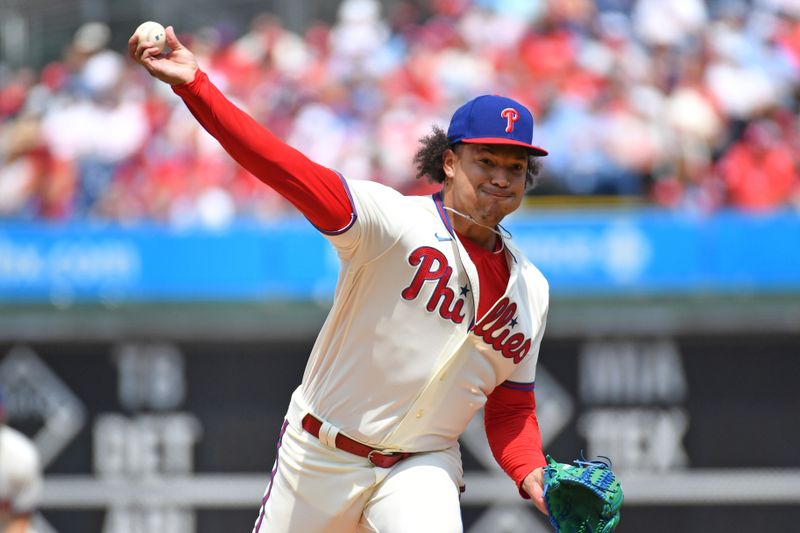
x=491 y=119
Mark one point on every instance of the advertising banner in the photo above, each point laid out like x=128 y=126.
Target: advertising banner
x=620 y=253
x=156 y=435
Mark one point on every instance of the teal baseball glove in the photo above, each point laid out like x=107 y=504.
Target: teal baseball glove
x=582 y=498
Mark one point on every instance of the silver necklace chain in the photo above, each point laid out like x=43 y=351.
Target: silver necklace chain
x=506 y=234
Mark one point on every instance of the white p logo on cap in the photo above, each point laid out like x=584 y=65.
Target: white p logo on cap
x=511 y=115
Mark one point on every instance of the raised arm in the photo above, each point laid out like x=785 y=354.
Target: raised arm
x=318 y=192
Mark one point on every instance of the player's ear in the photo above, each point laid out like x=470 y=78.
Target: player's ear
x=449 y=159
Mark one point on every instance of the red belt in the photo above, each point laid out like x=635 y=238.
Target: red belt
x=377 y=457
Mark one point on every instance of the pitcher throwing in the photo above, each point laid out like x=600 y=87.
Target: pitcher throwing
x=436 y=315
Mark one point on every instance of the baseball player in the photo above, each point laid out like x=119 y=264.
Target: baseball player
x=20 y=478
x=436 y=314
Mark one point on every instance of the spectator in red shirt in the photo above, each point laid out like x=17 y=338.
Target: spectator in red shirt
x=759 y=171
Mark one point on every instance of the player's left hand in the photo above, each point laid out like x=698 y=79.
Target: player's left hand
x=533 y=484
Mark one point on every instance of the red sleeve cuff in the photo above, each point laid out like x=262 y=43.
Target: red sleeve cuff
x=190 y=87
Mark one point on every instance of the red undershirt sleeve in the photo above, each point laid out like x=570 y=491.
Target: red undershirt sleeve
x=318 y=192
x=513 y=432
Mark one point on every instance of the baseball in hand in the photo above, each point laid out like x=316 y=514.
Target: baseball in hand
x=152 y=32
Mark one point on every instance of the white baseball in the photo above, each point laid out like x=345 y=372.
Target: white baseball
x=152 y=32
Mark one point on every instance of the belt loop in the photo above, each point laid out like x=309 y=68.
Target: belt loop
x=327 y=434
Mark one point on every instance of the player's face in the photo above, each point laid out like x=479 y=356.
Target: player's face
x=485 y=181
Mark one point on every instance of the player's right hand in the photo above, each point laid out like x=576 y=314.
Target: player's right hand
x=176 y=67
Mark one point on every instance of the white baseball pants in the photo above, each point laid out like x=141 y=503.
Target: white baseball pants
x=318 y=489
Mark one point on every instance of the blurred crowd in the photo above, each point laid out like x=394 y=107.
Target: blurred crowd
x=685 y=104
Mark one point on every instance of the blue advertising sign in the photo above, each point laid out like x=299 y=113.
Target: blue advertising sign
x=652 y=252
x=86 y=263
x=613 y=253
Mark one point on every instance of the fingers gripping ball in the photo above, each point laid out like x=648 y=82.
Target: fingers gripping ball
x=582 y=498
x=152 y=32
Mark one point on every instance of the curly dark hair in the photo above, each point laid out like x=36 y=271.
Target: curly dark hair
x=429 y=158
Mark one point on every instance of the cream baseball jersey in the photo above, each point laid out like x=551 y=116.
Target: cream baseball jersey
x=402 y=361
